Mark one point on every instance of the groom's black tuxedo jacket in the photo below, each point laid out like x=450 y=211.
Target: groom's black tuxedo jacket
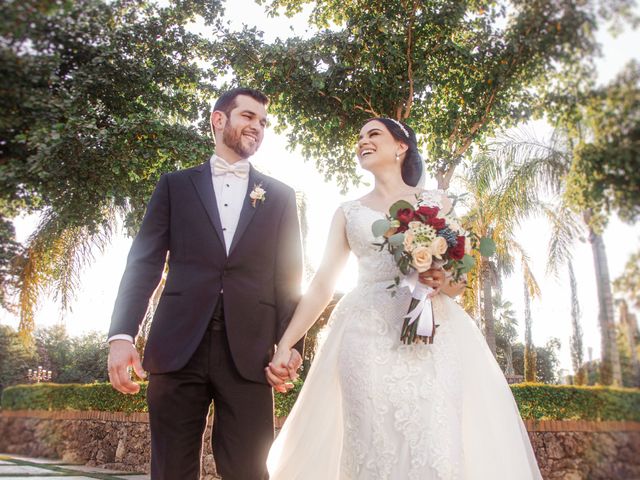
x=260 y=277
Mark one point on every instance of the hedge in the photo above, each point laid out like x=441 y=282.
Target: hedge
x=536 y=401
x=567 y=402
x=99 y=396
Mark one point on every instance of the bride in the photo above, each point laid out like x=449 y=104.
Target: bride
x=371 y=407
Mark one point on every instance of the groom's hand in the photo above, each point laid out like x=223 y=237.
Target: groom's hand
x=283 y=369
x=122 y=355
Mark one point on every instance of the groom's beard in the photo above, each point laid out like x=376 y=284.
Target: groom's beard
x=233 y=139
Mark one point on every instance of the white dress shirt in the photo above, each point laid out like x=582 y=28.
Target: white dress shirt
x=230 y=191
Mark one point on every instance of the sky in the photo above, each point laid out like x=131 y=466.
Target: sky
x=551 y=312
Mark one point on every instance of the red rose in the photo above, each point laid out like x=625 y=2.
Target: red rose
x=405 y=215
x=428 y=212
x=402 y=228
x=438 y=223
x=457 y=252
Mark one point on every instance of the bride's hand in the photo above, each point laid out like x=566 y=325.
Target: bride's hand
x=434 y=278
x=283 y=367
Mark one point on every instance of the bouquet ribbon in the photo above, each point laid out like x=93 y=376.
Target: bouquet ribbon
x=422 y=312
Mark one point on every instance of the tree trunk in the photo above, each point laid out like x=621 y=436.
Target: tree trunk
x=508 y=354
x=529 y=349
x=577 y=353
x=630 y=325
x=487 y=307
x=610 y=372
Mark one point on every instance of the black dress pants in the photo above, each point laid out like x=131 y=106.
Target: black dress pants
x=178 y=406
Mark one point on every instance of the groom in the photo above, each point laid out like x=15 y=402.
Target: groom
x=231 y=237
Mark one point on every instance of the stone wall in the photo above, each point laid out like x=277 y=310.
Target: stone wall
x=568 y=450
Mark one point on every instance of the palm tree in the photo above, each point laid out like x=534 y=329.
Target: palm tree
x=495 y=213
x=544 y=165
x=506 y=333
x=577 y=354
x=53 y=260
x=529 y=348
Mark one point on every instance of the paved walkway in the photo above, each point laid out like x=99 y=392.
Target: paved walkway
x=15 y=467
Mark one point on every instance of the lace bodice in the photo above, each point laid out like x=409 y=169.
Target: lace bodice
x=375 y=266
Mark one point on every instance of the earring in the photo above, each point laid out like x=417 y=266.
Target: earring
x=397 y=157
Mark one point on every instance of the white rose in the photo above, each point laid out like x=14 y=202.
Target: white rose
x=257 y=193
x=438 y=246
x=415 y=225
x=422 y=258
x=408 y=240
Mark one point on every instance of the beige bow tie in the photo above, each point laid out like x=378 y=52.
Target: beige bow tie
x=221 y=167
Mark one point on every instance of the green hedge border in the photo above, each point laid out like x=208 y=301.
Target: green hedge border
x=536 y=401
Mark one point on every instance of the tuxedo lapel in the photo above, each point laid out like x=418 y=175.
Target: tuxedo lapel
x=203 y=183
x=248 y=210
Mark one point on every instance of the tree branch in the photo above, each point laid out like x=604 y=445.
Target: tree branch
x=409 y=102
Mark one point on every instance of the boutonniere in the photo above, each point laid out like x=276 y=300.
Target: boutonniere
x=258 y=194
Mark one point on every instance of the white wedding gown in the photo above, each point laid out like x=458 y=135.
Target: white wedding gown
x=374 y=409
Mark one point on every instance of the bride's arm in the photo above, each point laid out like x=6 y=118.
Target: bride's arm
x=321 y=289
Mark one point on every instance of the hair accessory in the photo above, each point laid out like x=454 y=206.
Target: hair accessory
x=404 y=130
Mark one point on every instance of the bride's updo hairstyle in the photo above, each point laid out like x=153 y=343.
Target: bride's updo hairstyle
x=412 y=166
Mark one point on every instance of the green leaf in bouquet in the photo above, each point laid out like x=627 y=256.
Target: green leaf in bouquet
x=399 y=205
x=397 y=254
x=468 y=263
x=487 y=247
x=380 y=226
x=396 y=240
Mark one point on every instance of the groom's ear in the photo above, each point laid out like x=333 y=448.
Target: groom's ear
x=218 y=120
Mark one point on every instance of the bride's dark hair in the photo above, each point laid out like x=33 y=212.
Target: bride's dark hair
x=412 y=166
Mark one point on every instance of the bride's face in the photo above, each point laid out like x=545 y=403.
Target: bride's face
x=377 y=147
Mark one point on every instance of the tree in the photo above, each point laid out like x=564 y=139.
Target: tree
x=529 y=348
x=15 y=359
x=628 y=283
x=454 y=70
x=540 y=164
x=604 y=174
x=627 y=338
x=493 y=212
x=98 y=98
x=546 y=361
x=577 y=354
x=506 y=334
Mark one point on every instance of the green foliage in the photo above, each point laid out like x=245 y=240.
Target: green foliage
x=535 y=401
x=80 y=359
x=454 y=70
x=15 y=359
x=284 y=401
x=99 y=98
x=562 y=402
x=99 y=94
x=101 y=397
x=628 y=283
x=546 y=358
x=604 y=175
x=48 y=396
x=9 y=249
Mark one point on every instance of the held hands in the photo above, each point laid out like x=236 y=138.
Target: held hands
x=122 y=355
x=434 y=278
x=283 y=368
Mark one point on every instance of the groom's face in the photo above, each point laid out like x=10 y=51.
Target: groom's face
x=244 y=129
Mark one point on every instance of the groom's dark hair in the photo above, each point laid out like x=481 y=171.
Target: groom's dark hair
x=227 y=100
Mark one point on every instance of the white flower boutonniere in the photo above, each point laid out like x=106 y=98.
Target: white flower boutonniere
x=258 y=194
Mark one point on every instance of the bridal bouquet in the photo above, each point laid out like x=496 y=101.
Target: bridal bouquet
x=420 y=237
